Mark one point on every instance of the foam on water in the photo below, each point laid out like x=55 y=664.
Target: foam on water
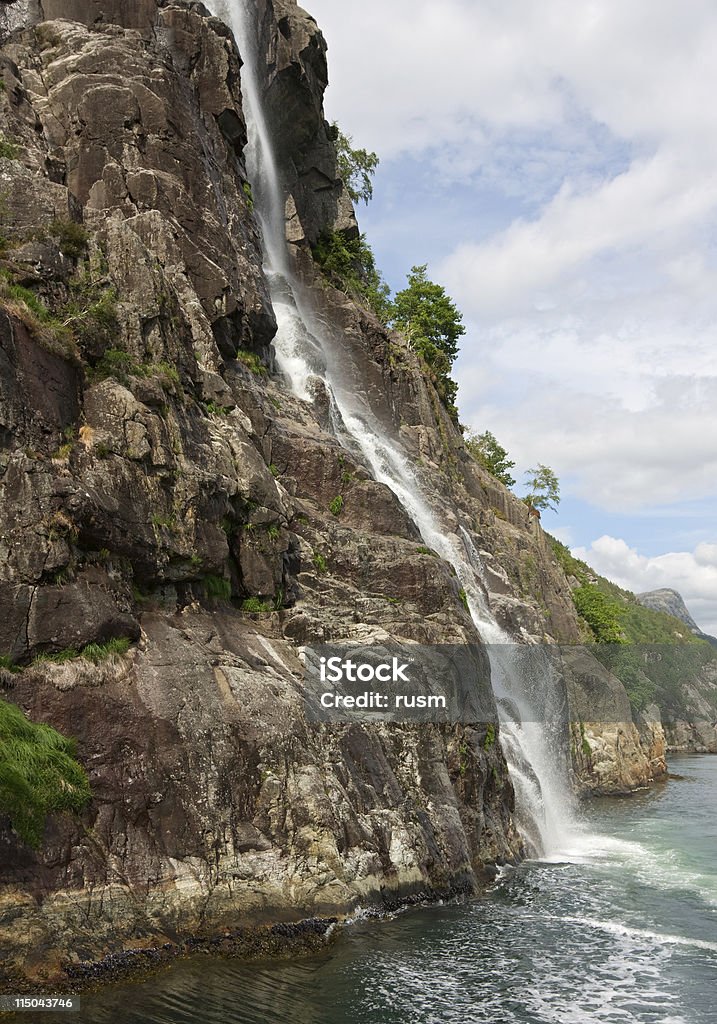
x=641 y=935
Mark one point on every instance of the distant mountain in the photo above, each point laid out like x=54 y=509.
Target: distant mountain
x=671 y=602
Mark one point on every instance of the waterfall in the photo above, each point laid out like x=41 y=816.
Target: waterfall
x=528 y=692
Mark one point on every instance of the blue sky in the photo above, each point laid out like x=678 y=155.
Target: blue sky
x=554 y=166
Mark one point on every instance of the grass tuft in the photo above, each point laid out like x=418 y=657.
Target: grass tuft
x=38 y=774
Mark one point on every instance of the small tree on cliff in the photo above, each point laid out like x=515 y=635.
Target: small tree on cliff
x=544 y=490
x=491 y=455
x=432 y=323
x=355 y=167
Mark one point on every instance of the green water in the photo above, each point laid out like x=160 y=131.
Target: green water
x=623 y=930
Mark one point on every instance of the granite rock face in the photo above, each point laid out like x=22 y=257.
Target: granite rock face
x=611 y=752
x=159 y=483
x=692 y=728
x=297 y=75
x=690 y=725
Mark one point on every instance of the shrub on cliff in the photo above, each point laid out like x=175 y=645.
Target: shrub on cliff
x=71 y=237
x=491 y=455
x=350 y=265
x=601 y=613
x=38 y=774
x=432 y=324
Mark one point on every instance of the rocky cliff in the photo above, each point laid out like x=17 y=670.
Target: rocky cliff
x=691 y=723
x=671 y=603
x=160 y=484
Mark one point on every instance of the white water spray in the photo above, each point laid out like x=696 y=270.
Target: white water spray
x=307 y=347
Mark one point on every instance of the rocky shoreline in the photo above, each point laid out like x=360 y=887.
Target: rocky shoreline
x=283 y=938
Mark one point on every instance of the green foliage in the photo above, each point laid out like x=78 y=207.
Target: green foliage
x=117 y=363
x=427 y=316
x=246 y=188
x=215 y=410
x=18 y=293
x=91 y=313
x=256 y=606
x=491 y=455
x=166 y=522
x=432 y=323
x=92 y=652
x=464 y=599
x=571 y=565
x=121 y=365
x=646 y=626
x=544 y=487
x=336 y=505
x=252 y=362
x=88 y=317
x=320 y=563
x=71 y=237
x=166 y=374
x=59 y=658
x=601 y=613
x=38 y=774
x=350 y=265
x=355 y=167
x=427 y=551
x=489 y=740
x=63 y=452
x=8 y=664
x=653 y=654
x=217 y=587
x=8 y=150
x=101 y=652
x=640 y=625
x=273 y=531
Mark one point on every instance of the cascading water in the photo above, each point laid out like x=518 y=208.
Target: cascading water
x=307 y=348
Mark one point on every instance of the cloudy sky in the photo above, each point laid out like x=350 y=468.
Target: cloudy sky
x=554 y=164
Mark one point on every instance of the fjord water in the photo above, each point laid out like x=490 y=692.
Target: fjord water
x=622 y=932
x=310 y=353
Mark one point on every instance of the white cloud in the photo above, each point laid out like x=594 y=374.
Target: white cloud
x=656 y=201
x=591 y=306
x=413 y=74
x=692 y=573
x=621 y=459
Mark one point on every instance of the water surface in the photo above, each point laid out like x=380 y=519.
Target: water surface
x=621 y=927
